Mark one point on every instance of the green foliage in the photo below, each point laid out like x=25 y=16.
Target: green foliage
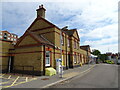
x=96 y=52
x=103 y=57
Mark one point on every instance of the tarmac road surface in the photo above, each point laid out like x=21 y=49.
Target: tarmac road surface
x=102 y=76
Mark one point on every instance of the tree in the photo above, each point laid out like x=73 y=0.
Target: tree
x=103 y=57
x=96 y=52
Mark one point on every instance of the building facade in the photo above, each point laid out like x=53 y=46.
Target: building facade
x=88 y=52
x=7 y=36
x=43 y=43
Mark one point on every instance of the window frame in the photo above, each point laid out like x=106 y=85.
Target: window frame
x=75 y=59
x=75 y=44
x=47 y=58
x=68 y=41
x=1 y=36
x=62 y=39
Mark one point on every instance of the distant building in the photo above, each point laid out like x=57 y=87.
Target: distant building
x=112 y=56
x=88 y=51
x=7 y=36
x=109 y=54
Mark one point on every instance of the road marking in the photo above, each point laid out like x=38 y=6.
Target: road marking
x=70 y=74
x=5 y=82
x=18 y=83
x=9 y=77
x=26 y=79
x=2 y=75
x=15 y=81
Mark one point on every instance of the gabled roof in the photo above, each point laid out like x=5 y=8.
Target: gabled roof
x=39 y=38
x=9 y=32
x=71 y=32
x=85 y=47
x=40 y=18
x=6 y=31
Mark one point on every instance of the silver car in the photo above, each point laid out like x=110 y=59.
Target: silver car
x=118 y=62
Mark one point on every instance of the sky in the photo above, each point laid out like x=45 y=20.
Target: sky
x=95 y=20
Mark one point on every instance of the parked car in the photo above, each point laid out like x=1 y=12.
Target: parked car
x=109 y=61
x=118 y=62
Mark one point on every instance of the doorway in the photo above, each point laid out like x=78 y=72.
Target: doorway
x=69 y=61
x=10 y=64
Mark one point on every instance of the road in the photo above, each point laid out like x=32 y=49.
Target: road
x=102 y=76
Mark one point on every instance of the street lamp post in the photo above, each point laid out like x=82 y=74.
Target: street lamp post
x=61 y=67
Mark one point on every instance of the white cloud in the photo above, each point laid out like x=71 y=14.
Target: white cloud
x=103 y=32
x=107 y=48
x=103 y=38
x=95 y=19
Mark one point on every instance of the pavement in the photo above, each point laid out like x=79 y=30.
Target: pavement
x=42 y=81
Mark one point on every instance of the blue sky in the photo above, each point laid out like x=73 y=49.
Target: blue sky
x=95 y=20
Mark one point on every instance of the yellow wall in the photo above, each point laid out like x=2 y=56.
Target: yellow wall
x=4 y=53
x=27 y=40
x=39 y=24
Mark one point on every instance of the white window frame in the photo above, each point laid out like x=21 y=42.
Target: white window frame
x=8 y=38
x=15 y=36
x=8 y=34
x=62 y=40
x=1 y=36
x=47 y=58
x=78 y=58
x=12 y=39
x=68 y=42
x=75 y=59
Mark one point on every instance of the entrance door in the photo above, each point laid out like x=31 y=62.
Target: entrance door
x=69 y=61
x=11 y=64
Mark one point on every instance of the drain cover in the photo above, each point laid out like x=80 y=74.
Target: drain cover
x=45 y=79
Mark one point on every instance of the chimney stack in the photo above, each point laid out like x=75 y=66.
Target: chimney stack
x=41 y=11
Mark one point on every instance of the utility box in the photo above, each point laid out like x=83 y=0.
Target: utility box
x=50 y=71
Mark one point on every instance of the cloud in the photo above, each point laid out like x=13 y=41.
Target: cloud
x=103 y=32
x=96 y=20
x=104 y=36
x=107 y=48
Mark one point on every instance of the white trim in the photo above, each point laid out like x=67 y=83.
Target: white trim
x=47 y=58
